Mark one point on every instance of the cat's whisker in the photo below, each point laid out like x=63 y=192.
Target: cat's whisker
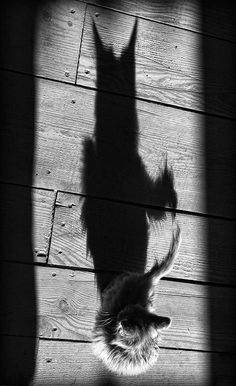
x=126 y=333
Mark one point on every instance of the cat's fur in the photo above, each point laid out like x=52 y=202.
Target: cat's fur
x=126 y=330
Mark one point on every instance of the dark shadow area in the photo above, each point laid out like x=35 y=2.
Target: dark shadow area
x=220 y=145
x=17 y=292
x=117 y=234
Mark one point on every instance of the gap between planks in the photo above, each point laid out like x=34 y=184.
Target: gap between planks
x=67 y=301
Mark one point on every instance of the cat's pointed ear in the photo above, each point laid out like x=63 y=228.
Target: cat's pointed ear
x=133 y=36
x=129 y=50
x=98 y=41
x=161 y=322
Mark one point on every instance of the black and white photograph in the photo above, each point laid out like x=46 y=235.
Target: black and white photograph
x=117 y=193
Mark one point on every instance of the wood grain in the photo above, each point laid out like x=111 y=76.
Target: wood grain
x=69 y=245
x=67 y=301
x=64 y=363
x=65 y=118
x=42 y=40
x=58 y=36
x=173 y=66
x=17 y=204
x=212 y=18
x=63 y=126
x=43 y=207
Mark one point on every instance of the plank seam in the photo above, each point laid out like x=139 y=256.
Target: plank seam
x=153 y=207
x=201 y=112
x=2 y=182
x=157 y=22
x=123 y=202
x=137 y=98
x=93 y=271
x=78 y=341
x=52 y=224
x=81 y=42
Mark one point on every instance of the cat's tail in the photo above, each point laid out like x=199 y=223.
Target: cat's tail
x=162 y=269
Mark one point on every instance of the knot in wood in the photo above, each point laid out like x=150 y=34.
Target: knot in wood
x=63 y=305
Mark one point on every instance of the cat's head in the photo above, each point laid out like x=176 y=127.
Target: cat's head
x=136 y=325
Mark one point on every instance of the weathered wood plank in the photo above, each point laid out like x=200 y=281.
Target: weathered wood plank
x=212 y=18
x=65 y=118
x=74 y=362
x=122 y=246
x=64 y=363
x=63 y=126
x=58 y=37
x=67 y=300
x=42 y=39
x=26 y=212
x=43 y=207
x=173 y=66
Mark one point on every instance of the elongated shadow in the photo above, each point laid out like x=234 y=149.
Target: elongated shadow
x=17 y=292
x=117 y=233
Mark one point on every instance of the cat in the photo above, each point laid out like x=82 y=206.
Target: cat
x=126 y=331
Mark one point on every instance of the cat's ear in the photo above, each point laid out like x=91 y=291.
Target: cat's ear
x=98 y=41
x=161 y=322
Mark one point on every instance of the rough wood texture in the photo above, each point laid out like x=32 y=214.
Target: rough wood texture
x=58 y=37
x=65 y=119
x=43 y=206
x=219 y=18
x=63 y=126
x=46 y=39
x=169 y=63
x=64 y=363
x=70 y=247
x=66 y=302
x=16 y=203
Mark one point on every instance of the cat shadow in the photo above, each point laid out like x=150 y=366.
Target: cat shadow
x=115 y=180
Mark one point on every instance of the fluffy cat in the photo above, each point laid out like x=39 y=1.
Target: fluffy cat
x=126 y=331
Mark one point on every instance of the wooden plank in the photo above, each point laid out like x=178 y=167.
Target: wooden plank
x=68 y=300
x=66 y=118
x=64 y=303
x=63 y=127
x=130 y=240
x=42 y=39
x=27 y=217
x=211 y=18
x=73 y=363
x=172 y=66
x=58 y=36
x=63 y=362
x=43 y=207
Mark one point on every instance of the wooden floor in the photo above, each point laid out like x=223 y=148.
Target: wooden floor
x=53 y=106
